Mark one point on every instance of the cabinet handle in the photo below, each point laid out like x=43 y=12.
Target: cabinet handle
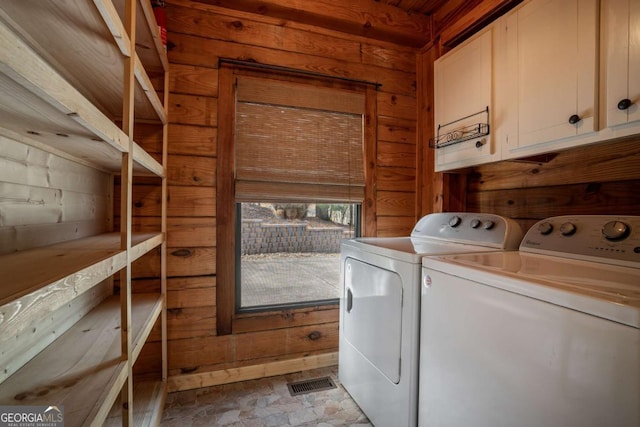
x=624 y=104
x=574 y=119
x=481 y=142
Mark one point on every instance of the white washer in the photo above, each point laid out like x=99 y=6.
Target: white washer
x=380 y=307
x=547 y=336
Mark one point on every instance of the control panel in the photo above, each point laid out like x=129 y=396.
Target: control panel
x=464 y=227
x=606 y=237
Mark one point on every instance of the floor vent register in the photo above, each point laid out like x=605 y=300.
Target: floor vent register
x=310 y=386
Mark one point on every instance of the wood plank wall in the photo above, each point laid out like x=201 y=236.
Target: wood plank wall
x=592 y=180
x=199 y=35
x=46 y=199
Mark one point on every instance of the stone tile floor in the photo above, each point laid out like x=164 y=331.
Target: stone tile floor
x=264 y=402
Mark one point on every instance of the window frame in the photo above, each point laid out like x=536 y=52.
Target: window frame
x=226 y=231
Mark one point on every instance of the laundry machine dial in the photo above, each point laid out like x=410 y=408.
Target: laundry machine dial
x=567 y=229
x=615 y=230
x=545 y=228
x=488 y=225
x=455 y=221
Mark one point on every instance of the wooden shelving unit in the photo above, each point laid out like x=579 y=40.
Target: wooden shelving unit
x=82 y=370
x=75 y=76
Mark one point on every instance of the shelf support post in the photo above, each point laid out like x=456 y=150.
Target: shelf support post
x=127 y=211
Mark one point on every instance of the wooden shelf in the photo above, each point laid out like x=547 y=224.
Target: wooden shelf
x=67 y=108
x=148 y=43
x=83 y=40
x=83 y=369
x=149 y=399
x=67 y=268
x=68 y=71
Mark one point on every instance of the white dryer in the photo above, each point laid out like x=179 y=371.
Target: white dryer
x=380 y=307
x=547 y=336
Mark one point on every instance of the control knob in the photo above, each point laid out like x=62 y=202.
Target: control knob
x=475 y=223
x=545 y=228
x=567 y=229
x=488 y=225
x=455 y=221
x=615 y=230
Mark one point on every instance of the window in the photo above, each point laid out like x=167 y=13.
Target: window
x=289 y=253
x=298 y=181
x=286 y=139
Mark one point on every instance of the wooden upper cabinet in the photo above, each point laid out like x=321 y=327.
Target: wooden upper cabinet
x=553 y=79
x=552 y=71
x=463 y=90
x=621 y=61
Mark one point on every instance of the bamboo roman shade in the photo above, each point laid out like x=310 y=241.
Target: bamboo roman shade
x=298 y=142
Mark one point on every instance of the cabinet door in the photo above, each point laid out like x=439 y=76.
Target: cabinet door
x=552 y=57
x=621 y=39
x=463 y=88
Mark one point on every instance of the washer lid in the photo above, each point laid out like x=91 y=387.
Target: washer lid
x=604 y=290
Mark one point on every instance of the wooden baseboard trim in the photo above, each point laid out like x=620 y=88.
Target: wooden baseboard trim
x=207 y=379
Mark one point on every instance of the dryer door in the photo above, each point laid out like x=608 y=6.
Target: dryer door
x=372 y=315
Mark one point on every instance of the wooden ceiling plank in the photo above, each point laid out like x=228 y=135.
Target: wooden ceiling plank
x=425 y=7
x=468 y=23
x=359 y=17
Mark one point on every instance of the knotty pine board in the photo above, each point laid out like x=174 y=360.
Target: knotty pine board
x=356 y=18
x=181 y=231
x=287 y=319
x=183 y=201
x=185 y=139
x=392 y=154
x=396 y=179
x=597 y=179
x=149 y=398
x=27 y=165
x=393 y=129
x=193 y=110
x=30 y=205
x=25 y=237
x=38 y=322
x=204 y=372
x=70 y=267
x=148 y=42
x=87 y=380
x=181 y=262
x=609 y=161
x=230 y=374
x=247 y=31
x=193 y=80
x=191 y=170
x=193 y=140
x=395 y=226
x=394 y=203
x=95 y=52
x=399 y=106
x=207 y=52
x=193 y=352
x=192 y=322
